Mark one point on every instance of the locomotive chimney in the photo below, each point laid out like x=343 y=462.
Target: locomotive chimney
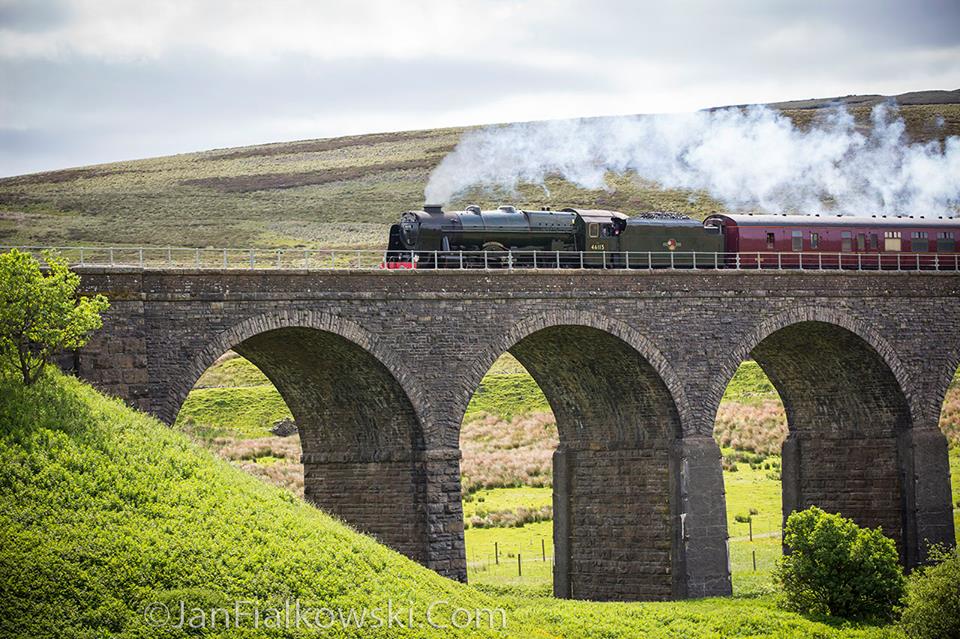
x=433 y=209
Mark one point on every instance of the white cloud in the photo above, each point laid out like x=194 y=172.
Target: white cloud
x=99 y=71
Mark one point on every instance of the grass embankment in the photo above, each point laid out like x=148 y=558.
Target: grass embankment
x=340 y=192
x=104 y=511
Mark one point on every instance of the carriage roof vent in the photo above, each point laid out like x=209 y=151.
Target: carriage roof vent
x=433 y=209
x=473 y=208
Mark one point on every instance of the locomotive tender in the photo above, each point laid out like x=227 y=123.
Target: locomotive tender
x=579 y=238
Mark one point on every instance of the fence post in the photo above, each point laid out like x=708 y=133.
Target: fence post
x=543 y=549
x=496 y=552
x=519 y=566
x=252 y=260
x=81 y=256
x=306 y=258
x=196 y=256
x=224 y=258
x=111 y=256
x=141 y=256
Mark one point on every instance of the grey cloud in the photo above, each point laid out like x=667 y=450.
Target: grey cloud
x=116 y=111
x=32 y=17
x=77 y=110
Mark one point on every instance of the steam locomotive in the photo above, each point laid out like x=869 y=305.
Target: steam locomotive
x=592 y=238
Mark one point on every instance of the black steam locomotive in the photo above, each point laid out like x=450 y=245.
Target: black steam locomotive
x=580 y=238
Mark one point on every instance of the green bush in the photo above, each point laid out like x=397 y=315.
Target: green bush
x=837 y=568
x=932 y=604
x=41 y=313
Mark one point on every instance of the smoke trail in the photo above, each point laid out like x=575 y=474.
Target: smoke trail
x=747 y=158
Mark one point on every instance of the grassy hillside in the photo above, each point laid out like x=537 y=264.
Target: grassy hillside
x=104 y=511
x=339 y=192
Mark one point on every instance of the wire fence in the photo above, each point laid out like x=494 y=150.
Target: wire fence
x=369 y=260
x=533 y=559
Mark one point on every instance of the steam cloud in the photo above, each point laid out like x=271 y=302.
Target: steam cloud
x=752 y=158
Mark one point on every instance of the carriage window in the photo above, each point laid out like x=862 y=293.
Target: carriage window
x=891 y=241
x=861 y=242
x=797 y=240
x=919 y=242
x=874 y=242
x=814 y=240
x=771 y=240
x=594 y=230
x=945 y=242
x=846 y=241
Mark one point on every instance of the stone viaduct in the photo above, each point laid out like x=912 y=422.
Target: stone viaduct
x=378 y=369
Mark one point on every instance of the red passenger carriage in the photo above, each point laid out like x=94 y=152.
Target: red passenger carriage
x=835 y=241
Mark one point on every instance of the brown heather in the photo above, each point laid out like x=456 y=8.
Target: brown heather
x=498 y=453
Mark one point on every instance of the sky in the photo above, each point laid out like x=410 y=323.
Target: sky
x=91 y=81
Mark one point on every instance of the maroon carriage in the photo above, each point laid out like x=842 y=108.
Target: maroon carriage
x=835 y=241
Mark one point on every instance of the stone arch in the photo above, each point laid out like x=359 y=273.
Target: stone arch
x=475 y=370
x=742 y=348
x=852 y=445
x=621 y=473
x=364 y=450
x=189 y=372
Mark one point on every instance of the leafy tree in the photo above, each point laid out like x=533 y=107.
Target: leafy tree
x=40 y=313
x=932 y=605
x=835 y=567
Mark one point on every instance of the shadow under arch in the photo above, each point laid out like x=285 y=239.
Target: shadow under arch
x=851 y=446
x=619 y=501
x=363 y=446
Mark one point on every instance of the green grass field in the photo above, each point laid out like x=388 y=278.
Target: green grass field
x=340 y=192
x=105 y=511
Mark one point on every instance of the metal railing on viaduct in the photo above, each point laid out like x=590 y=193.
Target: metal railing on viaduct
x=378 y=368
x=348 y=259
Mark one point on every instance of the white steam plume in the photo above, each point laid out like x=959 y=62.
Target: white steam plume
x=746 y=158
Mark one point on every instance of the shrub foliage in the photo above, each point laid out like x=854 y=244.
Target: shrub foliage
x=835 y=567
x=932 y=604
x=40 y=314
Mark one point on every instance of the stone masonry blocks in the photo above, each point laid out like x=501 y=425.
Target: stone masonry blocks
x=379 y=368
